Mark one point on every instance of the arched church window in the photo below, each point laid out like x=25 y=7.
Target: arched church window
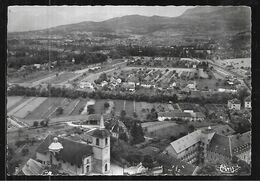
x=97 y=142
x=106 y=141
x=106 y=167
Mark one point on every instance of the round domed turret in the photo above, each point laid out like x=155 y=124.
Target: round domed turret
x=55 y=146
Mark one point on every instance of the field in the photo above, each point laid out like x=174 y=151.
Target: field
x=62 y=78
x=238 y=62
x=13 y=101
x=32 y=77
x=30 y=107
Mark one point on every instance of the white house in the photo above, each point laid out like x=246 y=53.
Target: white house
x=248 y=102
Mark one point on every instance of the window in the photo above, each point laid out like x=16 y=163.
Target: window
x=106 y=141
x=87 y=168
x=105 y=167
x=97 y=142
x=87 y=161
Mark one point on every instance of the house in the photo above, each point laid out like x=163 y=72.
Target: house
x=33 y=167
x=78 y=158
x=234 y=104
x=248 y=102
x=119 y=128
x=37 y=66
x=176 y=114
x=84 y=85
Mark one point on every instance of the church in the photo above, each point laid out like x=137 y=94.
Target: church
x=86 y=157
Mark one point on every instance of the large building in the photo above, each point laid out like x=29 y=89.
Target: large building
x=90 y=156
x=176 y=114
x=206 y=144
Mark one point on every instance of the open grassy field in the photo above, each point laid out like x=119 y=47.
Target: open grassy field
x=20 y=106
x=11 y=101
x=46 y=108
x=78 y=106
x=238 y=62
x=30 y=107
x=32 y=77
x=62 y=78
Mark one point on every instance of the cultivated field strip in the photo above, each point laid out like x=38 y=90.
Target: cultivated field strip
x=78 y=106
x=68 y=109
x=62 y=104
x=30 y=107
x=11 y=101
x=21 y=106
x=47 y=107
x=17 y=103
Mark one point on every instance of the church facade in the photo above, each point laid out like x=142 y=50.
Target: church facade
x=85 y=157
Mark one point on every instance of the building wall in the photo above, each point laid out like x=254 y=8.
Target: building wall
x=246 y=156
x=44 y=158
x=247 y=104
x=216 y=158
x=67 y=167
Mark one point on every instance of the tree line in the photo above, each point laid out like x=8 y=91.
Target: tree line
x=100 y=94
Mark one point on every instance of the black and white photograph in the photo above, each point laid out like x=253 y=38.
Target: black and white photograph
x=128 y=90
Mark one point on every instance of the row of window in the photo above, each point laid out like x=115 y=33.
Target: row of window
x=97 y=141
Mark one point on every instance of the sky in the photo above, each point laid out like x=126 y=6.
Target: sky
x=26 y=18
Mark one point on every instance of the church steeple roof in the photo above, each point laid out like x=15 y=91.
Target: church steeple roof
x=101 y=132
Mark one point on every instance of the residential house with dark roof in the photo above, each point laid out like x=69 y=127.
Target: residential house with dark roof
x=77 y=157
x=234 y=104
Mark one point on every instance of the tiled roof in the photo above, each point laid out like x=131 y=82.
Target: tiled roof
x=222 y=129
x=180 y=167
x=32 y=167
x=99 y=133
x=230 y=145
x=72 y=152
x=220 y=144
x=248 y=98
x=186 y=141
x=234 y=101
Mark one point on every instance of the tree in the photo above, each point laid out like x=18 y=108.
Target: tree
x=59 y=111
x=137 y=134
x=123 y=136
x=122 y=114
x=148 y=161
x=106 y=105
x=35 y=123
x=91 y=109
x=25 y=151
x=191 y=128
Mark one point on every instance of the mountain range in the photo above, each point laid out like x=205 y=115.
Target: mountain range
x=200 y=20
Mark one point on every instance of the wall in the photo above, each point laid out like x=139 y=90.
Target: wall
x=216 y=158
x=246 y=156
